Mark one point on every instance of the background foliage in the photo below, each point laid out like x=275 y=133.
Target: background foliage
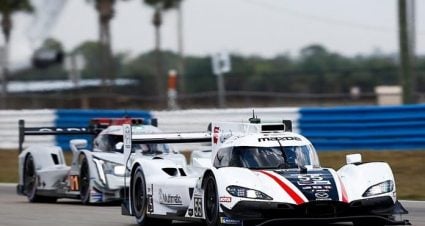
x=314 y=70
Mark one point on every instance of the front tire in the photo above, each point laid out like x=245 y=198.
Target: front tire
x=211 y=201
x=139 y=201
x=84 y=180
x=31 y=182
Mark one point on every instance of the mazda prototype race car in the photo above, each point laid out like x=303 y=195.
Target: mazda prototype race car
x=95 y=176
x=257 y=173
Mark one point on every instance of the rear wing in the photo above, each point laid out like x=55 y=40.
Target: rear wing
x=99 y=124
x=169 y=138
x=161 y=138
x=35 y=131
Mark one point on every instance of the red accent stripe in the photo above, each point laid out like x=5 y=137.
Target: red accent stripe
x=343 y=191
x=297 y=199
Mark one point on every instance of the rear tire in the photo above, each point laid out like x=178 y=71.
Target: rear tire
x=31 y=182
x=84 y=180
x=211 y=201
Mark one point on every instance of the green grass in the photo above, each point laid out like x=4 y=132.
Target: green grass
x=408 y=168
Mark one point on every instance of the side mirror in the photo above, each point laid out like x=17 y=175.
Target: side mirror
x=353 y=158
x=75 y=145
x=79 y=143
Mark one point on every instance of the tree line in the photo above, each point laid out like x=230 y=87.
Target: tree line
x=315 y=70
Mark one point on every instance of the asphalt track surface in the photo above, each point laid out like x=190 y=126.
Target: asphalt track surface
x=15 y=210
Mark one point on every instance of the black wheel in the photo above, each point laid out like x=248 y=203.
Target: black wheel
x=84 y=180
x=139 y=201
x=31 y=182
x=211 y=201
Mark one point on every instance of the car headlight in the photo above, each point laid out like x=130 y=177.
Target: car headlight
x=242 y=192
x=381 y=188
x=113 y=168
x=106 y=167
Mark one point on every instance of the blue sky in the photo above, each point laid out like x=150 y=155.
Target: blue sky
x=250 y=27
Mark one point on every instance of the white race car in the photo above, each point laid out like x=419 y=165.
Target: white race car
x=95 y=176
x=256 y=173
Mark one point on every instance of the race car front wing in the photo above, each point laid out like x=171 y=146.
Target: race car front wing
x=377 y=209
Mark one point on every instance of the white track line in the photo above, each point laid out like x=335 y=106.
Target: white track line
x=8 y=184
x=412 y=201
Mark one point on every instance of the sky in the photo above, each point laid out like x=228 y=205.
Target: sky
x=250 y=27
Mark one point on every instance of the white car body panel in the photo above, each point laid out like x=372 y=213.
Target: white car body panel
x=360 y=177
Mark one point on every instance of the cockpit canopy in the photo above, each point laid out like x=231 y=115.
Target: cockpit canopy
x=279 y=157
x=114 y=143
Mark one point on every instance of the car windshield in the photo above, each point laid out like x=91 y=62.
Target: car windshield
x=147 y=149
x=285 y=157
x=151 y=149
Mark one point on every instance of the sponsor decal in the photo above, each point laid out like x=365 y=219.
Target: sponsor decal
x=197 y=206
x=318 y=185
x=225 y=199
x=228 y=220
x=150 y=204
x=190 y=212
x=63 y=130
x=168 y=199
x=73 y=182
x=312 y=179
x=278 y=139
x=95 y=196
x=127 y=139
x=321 y=195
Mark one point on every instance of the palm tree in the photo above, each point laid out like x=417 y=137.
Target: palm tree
x=7 y=8
x=159 y=7
x=105 y=9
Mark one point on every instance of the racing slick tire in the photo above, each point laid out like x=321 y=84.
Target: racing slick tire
x=139 y=201
x=31 y=181
x=212 y=217
x=84 y=180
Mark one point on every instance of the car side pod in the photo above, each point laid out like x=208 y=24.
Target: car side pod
x=353 y=158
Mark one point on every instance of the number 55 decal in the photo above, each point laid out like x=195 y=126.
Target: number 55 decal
x=313 y=179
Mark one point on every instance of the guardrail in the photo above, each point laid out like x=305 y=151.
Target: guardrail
x=372 y=128
x=53 y=118
x=335 y=128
